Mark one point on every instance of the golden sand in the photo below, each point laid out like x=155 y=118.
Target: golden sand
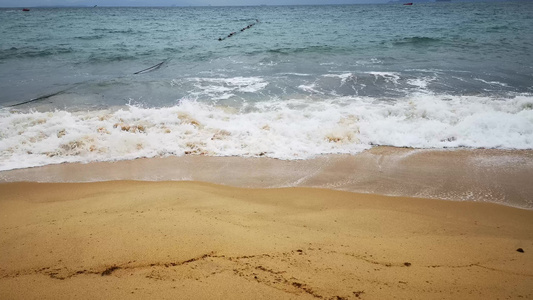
x=185 y=240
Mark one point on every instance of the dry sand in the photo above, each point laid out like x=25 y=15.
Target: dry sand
x=184 y=240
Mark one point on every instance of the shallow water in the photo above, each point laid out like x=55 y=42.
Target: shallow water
x=496 y=176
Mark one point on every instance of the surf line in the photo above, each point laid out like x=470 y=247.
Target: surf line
x=235 y=32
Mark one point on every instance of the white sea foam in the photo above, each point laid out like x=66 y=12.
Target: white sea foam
x=310 y=88
x=224 y=88
x=344 y=77
x=296 y=74
x=491 y=82
x=284 y=129
x=421 y=82
x=387 y=76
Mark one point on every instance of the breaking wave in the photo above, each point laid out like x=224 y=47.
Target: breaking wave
x=283 y=129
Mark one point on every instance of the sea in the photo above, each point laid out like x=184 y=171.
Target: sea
x=287 y=82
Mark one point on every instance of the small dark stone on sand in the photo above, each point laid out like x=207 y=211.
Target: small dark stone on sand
x=520 y=250
x=358 y=293
x=407 y=264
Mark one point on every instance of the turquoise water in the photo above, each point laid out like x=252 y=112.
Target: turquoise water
x=302 y=81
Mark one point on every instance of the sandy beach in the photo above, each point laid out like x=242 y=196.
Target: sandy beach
x=247 y=149
x=183 y=240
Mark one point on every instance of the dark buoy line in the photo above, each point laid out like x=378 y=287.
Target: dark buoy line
x=39 y=98
x=152 y=68
x=235 y=32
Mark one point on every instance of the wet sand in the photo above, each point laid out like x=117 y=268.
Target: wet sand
x=496 y=176
x=124 y=239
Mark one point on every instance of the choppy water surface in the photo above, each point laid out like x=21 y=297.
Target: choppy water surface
x=302 y=81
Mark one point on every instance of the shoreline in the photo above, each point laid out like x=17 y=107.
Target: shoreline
x=168 y=240
x=475 y=175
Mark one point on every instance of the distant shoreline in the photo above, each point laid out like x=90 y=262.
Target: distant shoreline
x=262 y=5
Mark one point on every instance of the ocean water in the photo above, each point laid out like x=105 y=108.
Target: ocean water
x=76 y=84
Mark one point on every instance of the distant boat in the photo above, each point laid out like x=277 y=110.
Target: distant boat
x=409 y=3
x=25 y=9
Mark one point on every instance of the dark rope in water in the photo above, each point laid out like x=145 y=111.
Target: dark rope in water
x=40 y=98
x=235 y=32
x=152 y=68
